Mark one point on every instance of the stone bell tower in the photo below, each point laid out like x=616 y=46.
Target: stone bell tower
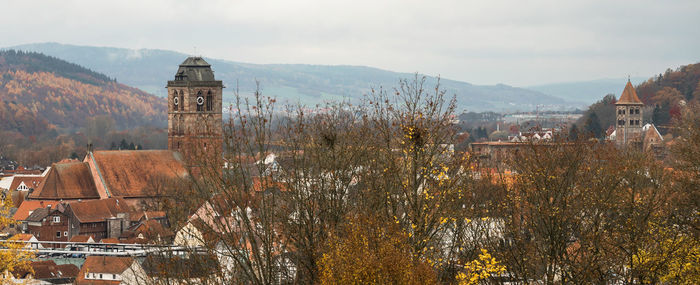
x=628 y=128
x=194 y=111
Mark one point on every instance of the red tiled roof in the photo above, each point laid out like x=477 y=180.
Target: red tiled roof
x=99 y=210
x=29 y=181
x=68 y=270
x=149 y=229
x=67 y=181
x=47 y=269
x=29 y=206
x=147 y=215
x=80 y=238
x=131 y=173
x=262 y=184
x=629 y=96
x=103 y=264
x=109 y=240
x=22 y=237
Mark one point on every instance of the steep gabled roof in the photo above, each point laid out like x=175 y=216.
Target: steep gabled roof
x=135 y=173
x=104 y=264
x=22 y=237
x=29 y=206
x=629 y=96
x=98 y=210
x=653 y=133
x=32 y=181
x=38 y=215
x=71 y=180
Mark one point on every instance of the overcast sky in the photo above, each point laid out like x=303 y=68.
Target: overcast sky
x=519 y=43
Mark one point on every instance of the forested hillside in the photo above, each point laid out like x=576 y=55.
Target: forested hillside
x=50 y=108
x=666 y=91
x=38 y=93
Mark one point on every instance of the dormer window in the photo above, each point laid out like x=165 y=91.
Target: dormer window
x=56 y=219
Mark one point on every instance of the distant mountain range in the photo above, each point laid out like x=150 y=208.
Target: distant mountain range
x=149 y=70
x=586 y=92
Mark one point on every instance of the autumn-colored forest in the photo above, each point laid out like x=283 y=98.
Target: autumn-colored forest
x=50 y=109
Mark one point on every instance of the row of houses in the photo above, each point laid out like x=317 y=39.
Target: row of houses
x=99 y=219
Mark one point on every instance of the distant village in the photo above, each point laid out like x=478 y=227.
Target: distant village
x=88 y=219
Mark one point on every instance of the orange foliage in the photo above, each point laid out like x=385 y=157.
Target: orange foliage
x=31 y=103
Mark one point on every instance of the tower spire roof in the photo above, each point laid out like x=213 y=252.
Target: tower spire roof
x=629 y=95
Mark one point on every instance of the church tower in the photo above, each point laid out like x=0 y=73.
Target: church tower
x=194 y=111
x=628 y=128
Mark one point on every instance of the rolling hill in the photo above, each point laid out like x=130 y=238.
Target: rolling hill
x=39 y=93
x=292 y=83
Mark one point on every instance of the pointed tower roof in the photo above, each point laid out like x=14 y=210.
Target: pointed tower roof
x=629 y=96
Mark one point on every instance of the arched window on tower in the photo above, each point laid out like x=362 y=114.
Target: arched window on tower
x=199 y=101
x=209 y=101
x=182 y=101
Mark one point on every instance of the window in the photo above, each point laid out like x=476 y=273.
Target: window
x=56 y=219
x=100 y=275
x=65 y=234
x=631 y=122
x=58 y=234
x=621 y=122
x=182 y=102
x=114 y=276
x=209 y=101
x=636 y=111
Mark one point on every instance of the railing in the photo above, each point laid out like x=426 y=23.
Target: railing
x=86 y=248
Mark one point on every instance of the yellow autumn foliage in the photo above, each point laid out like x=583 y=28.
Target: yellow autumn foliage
x=372 y=252
x=11 y=255
x=480 y=269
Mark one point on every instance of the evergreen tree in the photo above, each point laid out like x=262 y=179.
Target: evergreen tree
x=573 y=132
x=592 y=126
x=123 y=144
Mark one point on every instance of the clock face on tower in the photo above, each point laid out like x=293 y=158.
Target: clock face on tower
x=200 y=100
x=176 y=101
